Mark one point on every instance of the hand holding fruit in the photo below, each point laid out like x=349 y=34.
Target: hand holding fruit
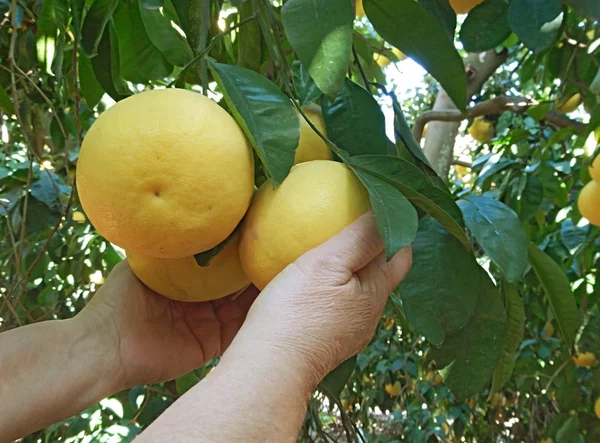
x=155 y=339
x=324 y=307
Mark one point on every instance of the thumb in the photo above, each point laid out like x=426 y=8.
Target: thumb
x=346 y=252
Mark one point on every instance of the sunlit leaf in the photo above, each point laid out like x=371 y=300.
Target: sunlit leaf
x=265 y=114
x=498 y=230
x=396 y=217
x=536 y=22
x=409 y=27
x=321 y=34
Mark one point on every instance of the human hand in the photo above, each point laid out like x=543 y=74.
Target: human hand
x=324 y=307
x=156 y=339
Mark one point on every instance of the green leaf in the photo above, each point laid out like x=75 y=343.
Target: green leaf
x=321 y=34
x=498 y=230
x=171 y=44
x=265 y=114
x=440 y=292
x=589 y=341
x=186 y=382
x=568 y=431
x=531 y=198
x=513 y=335
x=305 y=87
x=249 y=40
x=152 y=4
x=417 y=187
x=106 y=66
x=558 y=290
x=140 y=59
x=410 y=28
x=444 y=13
x=91 y=90
x=486 y=26
x=355 y=121
x=94 y=23
x=52 y=18
x=470 y=356
x=190 y=16
x=587 y=8
x=397 y=219
x=336 y=380
x=204 y=258
x=536 y=22
x=404 y=135
x=5 y=102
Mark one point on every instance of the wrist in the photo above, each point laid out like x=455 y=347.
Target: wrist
x=271 y=357
x=96 y=345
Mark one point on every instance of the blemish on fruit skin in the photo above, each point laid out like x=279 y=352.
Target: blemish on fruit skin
x=157 y=193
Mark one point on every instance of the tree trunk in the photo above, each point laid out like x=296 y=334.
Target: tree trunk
x=439 y=143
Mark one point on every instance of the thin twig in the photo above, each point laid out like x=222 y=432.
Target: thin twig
x=209 y=47
x=204 y=27
x=76 y=93
x=361 y=70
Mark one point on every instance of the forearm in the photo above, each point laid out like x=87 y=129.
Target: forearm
x=250 y=396
x=50 y=371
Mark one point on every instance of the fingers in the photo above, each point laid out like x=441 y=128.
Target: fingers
x=348 y=251
x=382 y=277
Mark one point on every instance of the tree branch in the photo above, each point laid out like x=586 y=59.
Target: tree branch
x=496 y=105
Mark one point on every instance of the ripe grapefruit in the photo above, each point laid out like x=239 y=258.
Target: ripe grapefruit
x=184 y=280
x=589 y=202
x=315 y=202
x=166 y=173
x=464 y=6
x=311 y=146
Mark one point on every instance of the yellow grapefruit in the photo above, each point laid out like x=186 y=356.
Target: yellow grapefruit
x=589 y=202
x=311 y=146
x=482 y=130
x=585 y=360
x=315 y=202
x=184 y=280
x=569 y=105
x=464 y=6
x=166 y=173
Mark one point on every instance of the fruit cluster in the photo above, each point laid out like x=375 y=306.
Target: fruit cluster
x=589 y=198
x=168 y=175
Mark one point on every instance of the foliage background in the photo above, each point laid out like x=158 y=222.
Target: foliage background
x=64 y=62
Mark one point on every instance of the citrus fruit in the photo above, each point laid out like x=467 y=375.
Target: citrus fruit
x=311 y=146
x=585 y=359
x=481 y=130
x=360 y=9
x=548 y=330
x=595 y=169
x=315 y=202
x=570 y=104
x=78 y=217
x=384 y=61
x=166 y=173
x=185 y=280
x=393 y=390
x=589 y=202
x=464 y=6
x=597 y=407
